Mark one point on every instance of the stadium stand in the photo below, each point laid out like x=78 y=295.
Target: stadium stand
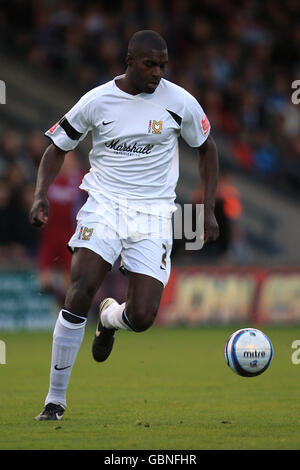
x=240 y=63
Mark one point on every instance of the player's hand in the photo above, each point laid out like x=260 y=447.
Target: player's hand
x=211 y=227
x=39 y=212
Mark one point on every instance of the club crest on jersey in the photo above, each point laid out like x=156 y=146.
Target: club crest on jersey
x=85 y=233
x=155 y=127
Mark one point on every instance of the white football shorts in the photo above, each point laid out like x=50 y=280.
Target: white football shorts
x=142 y=240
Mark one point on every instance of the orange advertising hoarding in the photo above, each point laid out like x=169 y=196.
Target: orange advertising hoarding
x=223 y=296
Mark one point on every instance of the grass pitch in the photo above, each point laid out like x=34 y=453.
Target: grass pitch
x=161 y=389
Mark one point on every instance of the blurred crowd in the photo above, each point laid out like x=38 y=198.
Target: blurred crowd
x=20 y=242
x=238 y=58
x=18 y=168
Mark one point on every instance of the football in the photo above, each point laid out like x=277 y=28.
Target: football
x=248 y=352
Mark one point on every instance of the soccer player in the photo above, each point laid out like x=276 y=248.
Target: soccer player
x=135 y=120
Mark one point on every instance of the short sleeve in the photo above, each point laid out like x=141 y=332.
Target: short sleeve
x=71 y=129
x=195 y=126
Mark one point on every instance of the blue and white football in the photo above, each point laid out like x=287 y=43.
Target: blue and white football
x=248 y=352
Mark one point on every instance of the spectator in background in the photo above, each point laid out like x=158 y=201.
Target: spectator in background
x=53 y=258
x=239 y=61
x=6 y=221
x=10 y=150
x=292 y=164
x=17 y=239
x=231 y=244
x=21 y=245
x=265 y=156
x=33 y=148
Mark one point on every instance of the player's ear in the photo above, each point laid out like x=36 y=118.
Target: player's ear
x=129 y=58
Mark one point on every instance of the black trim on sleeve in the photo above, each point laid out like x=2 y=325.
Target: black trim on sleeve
x=69 y=130
x=175 y=116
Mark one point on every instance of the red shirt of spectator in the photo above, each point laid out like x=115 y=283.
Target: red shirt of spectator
x=65 y=198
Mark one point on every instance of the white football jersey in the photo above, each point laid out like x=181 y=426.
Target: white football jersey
x=134 y=154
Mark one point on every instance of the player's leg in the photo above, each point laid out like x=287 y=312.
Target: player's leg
x=140 y=309
x=88 y=270
x=147 y=264
x=143 y=300
x=136 y=314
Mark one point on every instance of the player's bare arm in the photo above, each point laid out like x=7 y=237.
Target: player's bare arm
x=209 y=173
x=49 y=168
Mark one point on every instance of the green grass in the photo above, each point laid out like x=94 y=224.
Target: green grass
x=161 y=389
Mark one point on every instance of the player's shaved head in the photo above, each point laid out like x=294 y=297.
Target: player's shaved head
x=146 y=40
x=146 y=59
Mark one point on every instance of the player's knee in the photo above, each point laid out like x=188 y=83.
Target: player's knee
x=82 y=288
x=142 y=318
x=79 y=295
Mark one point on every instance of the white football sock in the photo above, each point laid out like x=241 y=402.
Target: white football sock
x=67 y=338
x=112 y=317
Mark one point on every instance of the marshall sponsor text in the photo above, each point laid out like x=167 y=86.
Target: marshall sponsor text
x=129 y=148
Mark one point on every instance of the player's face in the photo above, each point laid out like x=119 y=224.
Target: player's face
x=147 y=69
